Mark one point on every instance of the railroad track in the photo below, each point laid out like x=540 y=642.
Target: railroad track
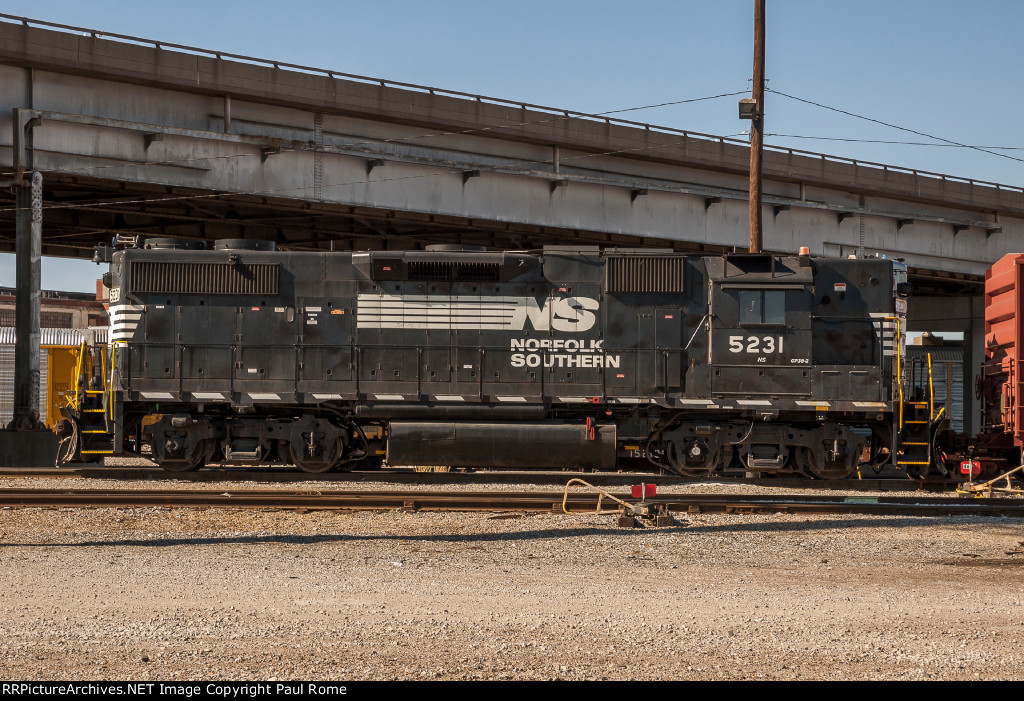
x=577 y=502
x=408 y=476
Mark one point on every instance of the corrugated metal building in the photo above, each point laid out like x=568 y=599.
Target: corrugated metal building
x=947 y=378
x=52 y=341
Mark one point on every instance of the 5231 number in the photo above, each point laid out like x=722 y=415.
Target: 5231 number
x=755 y=344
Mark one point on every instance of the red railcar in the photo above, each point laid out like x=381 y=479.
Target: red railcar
x=1000 y=380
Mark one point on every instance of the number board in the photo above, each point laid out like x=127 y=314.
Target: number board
x=765 y=346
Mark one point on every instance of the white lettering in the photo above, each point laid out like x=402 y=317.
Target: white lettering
x=571 y=314
x=579 y=355
x=756 y=344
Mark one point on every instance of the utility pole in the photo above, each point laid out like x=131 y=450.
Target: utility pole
x=757 y=130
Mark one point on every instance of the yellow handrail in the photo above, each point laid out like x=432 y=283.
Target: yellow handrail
x=73 y=401
x=931 y=391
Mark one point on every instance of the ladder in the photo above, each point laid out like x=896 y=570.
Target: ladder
x=916 y=422
x=89 y=408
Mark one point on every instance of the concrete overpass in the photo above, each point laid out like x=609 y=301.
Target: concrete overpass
x=135 y=137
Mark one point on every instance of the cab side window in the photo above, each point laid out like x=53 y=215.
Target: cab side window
x=763 y=307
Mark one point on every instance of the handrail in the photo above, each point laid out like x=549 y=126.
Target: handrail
x=109 y=388
x=563 y=113
x=931 y=391
x=899 y=366
x=73 y=402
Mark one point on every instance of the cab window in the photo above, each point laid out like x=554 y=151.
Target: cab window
x=763 y=307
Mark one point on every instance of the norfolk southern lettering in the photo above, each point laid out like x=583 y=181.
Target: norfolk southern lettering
x=562 y=353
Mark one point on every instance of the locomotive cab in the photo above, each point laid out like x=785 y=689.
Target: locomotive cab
x=799 y=367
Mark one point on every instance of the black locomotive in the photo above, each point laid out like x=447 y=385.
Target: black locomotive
x=569 y=357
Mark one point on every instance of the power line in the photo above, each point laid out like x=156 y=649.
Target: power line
x=900 y=143
x=896 y=126
x=675 y=102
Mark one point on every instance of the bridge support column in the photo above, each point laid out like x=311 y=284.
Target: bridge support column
x=28 y=274
x=26 y=443
x=28 y=257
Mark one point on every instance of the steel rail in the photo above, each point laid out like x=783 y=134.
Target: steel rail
x=406 y=476
x=506 y=501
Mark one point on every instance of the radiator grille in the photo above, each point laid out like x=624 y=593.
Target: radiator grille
x=644 y=274
x=430 y=270
x=461 y=272
x=205 y=278
x=478 y=272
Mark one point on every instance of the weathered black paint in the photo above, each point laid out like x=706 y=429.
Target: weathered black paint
x=662 y=366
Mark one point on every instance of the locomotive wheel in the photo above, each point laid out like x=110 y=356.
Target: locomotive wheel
x=801 y=463
x=317 y=466
x=312 y=466
x=816 y=464
x=705 y=470
x=680 y=467
x=176 y=466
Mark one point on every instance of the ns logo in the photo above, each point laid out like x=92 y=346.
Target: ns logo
x=563 y=314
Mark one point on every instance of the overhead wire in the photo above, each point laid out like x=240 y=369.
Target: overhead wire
x=950 y=142
x=884 y=141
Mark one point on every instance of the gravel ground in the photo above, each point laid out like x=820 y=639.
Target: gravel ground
x=218 y=594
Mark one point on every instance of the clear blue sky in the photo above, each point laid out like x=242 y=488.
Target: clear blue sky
x=944 y=68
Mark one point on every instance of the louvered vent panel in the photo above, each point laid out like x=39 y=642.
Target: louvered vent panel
x=644 y=274
x=205 y=278
x=478 y=272
x=430 y=270
x=460 y=272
